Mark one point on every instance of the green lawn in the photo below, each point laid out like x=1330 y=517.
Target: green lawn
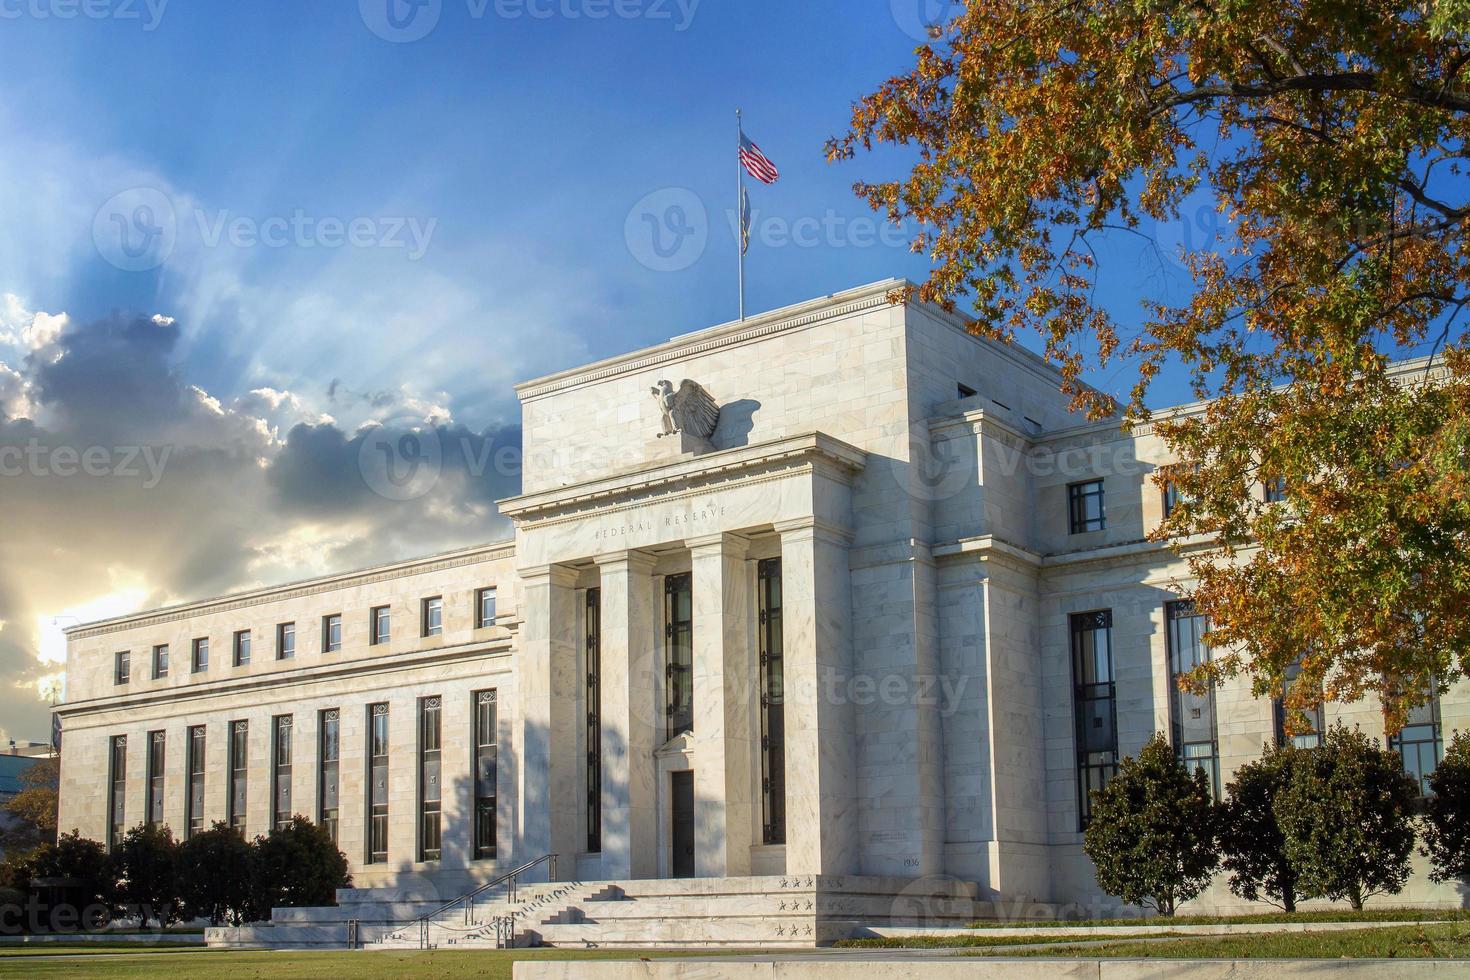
x=967 y=942
x=1320 y=915
x=1398 y=942
x=72 y=949
x=271 y=965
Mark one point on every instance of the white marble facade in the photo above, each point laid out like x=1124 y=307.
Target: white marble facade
x=911 y=479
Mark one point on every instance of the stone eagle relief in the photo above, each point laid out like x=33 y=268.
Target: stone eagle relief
x=690 y=410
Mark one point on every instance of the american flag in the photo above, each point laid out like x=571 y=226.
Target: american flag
x=756 y=163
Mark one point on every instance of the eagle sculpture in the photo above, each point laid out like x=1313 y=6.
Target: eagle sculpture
x=689 y=410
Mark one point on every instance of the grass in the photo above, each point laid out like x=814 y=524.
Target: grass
x=72 y=949
x=1319 y=915
x=967 y=942
x=1391 y=942
x=273 y=965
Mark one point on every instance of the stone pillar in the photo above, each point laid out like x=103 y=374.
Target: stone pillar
x=550 y=773
x=724 y=694
x=821 y=771
x=630 y=715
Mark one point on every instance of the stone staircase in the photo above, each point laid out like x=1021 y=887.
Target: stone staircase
x=749 y=913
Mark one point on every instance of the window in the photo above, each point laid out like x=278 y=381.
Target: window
x=330 y=749
x=1086 y=504
x=594 y=721
x=434 y=616
x=239 y=772
x=242 y=648
x=1171 y=498
x=117 y=779
x=286 y=641
x=1421 y=742
x=200 y=657
x=332 y=633
x=157 y=743
x=430 y=788
x=1094 y=699
x=281 y=771
x=1311 y=736
x=965 y=391
x=160 y=661
x=484 y=608
x=1192 y=716
x=679 y=654
x=1274 y=491
x=773 y=710
x=377 y=784
x=486 y=748
x=122 y=667
x=194 y=804
x=380 y=626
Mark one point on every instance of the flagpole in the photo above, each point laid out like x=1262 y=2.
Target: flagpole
x=740 y=207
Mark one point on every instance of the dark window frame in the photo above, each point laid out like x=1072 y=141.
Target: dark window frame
x=377 y=839
x=481 y=620
x=122 y=668
x=283 y=729
x=329 y=770
x=237 y=803
x=157 y=772
x=380 y=625
x=196 y=763
x=160 y=661
x=1306 y=740
x=678 y=654
x=772 y=701
x=1078 y=494
x=485 y=732
x=427 y=626
x=593 y=694
x=117 y=789
x=199 y=655
x=240 y=648
x=1095 y=765
x=1192 y=752
x=330 y=622
x=431 y=784
x=285 y=651
x=1427 y=732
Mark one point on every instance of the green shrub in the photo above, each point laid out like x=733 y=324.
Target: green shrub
x=1253 y=845
x=214 y=870
x=1447 y=814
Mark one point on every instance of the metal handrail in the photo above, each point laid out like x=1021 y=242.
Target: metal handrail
x=510 y=879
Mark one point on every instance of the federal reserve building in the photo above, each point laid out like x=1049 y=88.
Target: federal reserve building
x=827 y=617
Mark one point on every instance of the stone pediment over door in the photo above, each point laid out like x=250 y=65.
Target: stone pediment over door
x=681 y=745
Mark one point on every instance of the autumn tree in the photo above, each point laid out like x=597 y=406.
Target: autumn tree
x=34 y=808
x=1330 y=139
x=1151 y=835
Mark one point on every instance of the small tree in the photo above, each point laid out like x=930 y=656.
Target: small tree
x=1251 y=839
x=1447 y=814
x=295 y=866
x=214 y=870
x=73 y=872
x=1152 y=835
x=147 y=862
x=1346 y=818
x=34 y=808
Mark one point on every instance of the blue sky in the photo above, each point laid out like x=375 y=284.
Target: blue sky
x=499 y=173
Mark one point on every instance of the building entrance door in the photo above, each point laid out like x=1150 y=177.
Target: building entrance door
x=681 y=788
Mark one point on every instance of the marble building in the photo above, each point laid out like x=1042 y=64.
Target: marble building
x=838 y=590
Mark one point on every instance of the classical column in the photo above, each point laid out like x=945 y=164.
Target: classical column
x=550 y=773
x=724 y=694
x=630 y=715
x=821 y=771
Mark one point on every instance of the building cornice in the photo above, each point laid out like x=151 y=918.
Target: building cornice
x=688 y=477
x=295 y=590
x=838 y=305
x=233 y=687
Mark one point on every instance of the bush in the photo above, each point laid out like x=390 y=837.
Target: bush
x=147 y=862
x=1447 y=814
x=66 y=884
x=295 y=866
x=1152 y=835
x=1254 y=848
x=214 y=871
x=1346 y=818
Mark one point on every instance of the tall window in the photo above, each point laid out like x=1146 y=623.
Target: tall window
x=160 y=661
x=1192 y=716
x=594 y=721
x=285 y=641
x=1094 y=698
x=332 y=633
x=1274 y=491
x=1171 y=498
x=377 y=784
x=122 y=667
x=431 y=795
x=1421 y=742
x=117 y=790
x=281 y=771
x=486 y=748
x=195 y=802
x=239 y=772
x=484 y=608
x=381 y=625
x=1085 y=502
x=679 y=651
x=773 y=709
x=1311 y=736
x=242 y=648
x=200 y=657
x=157 y=743
x=433 y=616
x=330 y=749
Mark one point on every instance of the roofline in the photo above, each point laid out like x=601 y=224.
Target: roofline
x=489 y=552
